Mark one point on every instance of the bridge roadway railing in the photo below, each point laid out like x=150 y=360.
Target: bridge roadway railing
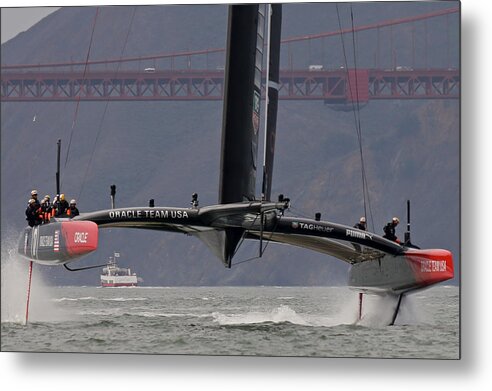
x=331 y=86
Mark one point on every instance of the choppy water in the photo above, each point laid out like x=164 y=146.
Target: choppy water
x=266 y=321
x=271 y=321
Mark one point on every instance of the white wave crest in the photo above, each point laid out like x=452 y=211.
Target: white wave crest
x=150 y=314
x=281 y=314
x=74 y=299
x=126 y=299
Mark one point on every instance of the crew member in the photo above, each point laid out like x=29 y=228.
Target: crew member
x=46 y=208
x=194 y=200
x=361 y=224
x=34 y=196
x=62 y=206
x=33 y=213
x=73 y=209
x=390 y=230
x=55 y=206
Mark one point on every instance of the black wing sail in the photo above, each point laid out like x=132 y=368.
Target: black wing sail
x=273 y=87
x=241 y=113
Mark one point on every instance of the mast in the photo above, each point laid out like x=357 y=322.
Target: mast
x=407 y=234
x=58 y=167
x=113 y=194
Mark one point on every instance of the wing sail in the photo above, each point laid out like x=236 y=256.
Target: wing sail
x=241 y=112
x=273 y=88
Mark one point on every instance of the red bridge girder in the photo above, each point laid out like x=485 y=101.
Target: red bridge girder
x=330 y=86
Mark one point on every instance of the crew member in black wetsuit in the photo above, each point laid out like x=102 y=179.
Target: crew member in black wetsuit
x=390 y=230
x=361 y=224
x=61 y=206
x=33 y=213
x=73 y=208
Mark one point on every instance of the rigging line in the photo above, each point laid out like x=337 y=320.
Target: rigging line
x=350 y=89
x=357 y=124
x=357 y=129
x=264 y=248
x=300 y=212
x=106 y=105
x=346 y=67
x=83 y=82
x=364 y=175
x=247 y=229
x=246 y=260
x=271 y=235
x=239 y=244
x=244 y=236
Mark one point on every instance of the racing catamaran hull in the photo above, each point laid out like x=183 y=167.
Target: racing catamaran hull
x=58 y=242
x=415 y=269
x=378 y=265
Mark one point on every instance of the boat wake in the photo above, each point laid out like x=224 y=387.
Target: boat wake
x=378 y=311
x=279 y=315
x=14 y=289
x=92 y=298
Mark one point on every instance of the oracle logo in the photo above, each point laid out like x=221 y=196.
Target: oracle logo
x=429 y=266
x=80 y=237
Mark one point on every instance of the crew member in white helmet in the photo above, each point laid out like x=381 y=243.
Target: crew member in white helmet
x=390 y=230
x=73 y=208
x=361 y=224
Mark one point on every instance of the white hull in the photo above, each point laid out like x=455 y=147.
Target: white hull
x=110 y=281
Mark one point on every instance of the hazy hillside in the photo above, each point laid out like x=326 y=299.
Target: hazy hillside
x=168 y=150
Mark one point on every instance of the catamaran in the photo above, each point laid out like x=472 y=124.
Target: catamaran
x=378 y=265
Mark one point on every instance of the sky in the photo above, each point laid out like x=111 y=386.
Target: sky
x=15 y=20
x=20 y=15
x=472 y=372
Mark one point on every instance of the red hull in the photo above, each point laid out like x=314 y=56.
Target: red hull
x=58 y=242
x=416 y=269
x=80 y=237
x=430 y=266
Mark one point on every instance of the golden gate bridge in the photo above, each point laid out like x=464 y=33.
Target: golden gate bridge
x=145 y=80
